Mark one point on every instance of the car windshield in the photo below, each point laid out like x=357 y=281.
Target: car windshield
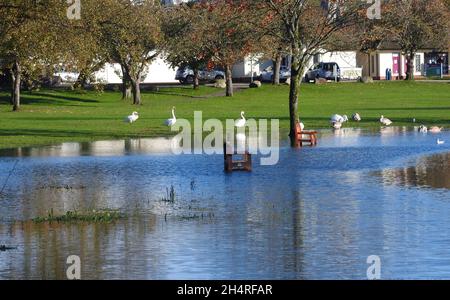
x=329 y=67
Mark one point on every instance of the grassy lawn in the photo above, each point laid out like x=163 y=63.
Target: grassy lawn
x=50 y=117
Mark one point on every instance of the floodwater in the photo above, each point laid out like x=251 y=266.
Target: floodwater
x=317 y=214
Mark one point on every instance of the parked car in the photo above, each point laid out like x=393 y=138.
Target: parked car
x=323 y=70
x=186 y=75
x=267 y=74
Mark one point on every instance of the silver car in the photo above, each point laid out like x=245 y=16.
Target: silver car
x=328 y=71
x=186 y=75
x=267 y=74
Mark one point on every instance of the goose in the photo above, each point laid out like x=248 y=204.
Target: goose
x=173 y=120
x=435 y=129
x=385 y=121
x=337 y=125
x=132 y=118
x=423 y=128
x=240 y=122
x=356 y=117
x=440 y=142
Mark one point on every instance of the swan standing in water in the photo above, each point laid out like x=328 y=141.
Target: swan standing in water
x=173 y=120
x=241 y=122
x=423 y=129
x=440 y=142
x=385 y=121
x=132 y=118
x=337 y=125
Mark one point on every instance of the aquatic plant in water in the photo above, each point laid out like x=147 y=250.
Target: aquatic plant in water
x=100 y=216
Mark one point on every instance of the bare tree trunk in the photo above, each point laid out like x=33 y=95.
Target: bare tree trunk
x=229 y=81
x=126 y=85
x=82 y=79
x=196 y=79
x=276 y=69
x=126 y=90
x=136 y=89
x=410 y=66
x=294 y=93
x=13 y=81
x=16 y=86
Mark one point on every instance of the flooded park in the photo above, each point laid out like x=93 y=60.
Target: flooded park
x=317 y=214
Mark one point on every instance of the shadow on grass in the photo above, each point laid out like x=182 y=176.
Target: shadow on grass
x=409 y=108
x=44 y=132
x=183 y=95
x=47 y=98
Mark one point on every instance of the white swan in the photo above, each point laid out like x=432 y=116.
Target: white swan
x=173 y=120
x=356 y=117
x=435 y=129
x=423 y=129
x=132 y=118
x=241 y=122
x=337 y=118
x=336 y=125
x=440 y=142
x=385 y=121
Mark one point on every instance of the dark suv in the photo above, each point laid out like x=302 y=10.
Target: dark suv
x=328 y=71
x=186 y=75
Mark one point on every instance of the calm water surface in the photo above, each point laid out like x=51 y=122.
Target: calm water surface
x=317 y=214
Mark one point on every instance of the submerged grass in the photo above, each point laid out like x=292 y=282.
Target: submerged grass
x=170 y=195
x=94 y=216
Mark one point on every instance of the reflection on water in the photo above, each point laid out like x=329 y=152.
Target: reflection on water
x=430 y=171
x=317 y=214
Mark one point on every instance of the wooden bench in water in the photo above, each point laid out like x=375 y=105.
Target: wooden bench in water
x=243 y=164
x=310 y=139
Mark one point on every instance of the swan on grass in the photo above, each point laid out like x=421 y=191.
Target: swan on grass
x=338 y=119
x=240 y=122
x=356 y=117
x=385 y=121
x=170 y=122
x=132 y=118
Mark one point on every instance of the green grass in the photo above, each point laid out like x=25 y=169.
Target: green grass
x=104 y=216
x=50 y=117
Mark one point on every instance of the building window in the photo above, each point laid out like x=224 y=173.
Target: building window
x=418 y=63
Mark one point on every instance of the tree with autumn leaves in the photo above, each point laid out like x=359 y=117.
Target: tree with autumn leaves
x=417 y=24
x=211 y=33
x=184 y=43
x=308 y=27
x=28 y=41
x=130 y=32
